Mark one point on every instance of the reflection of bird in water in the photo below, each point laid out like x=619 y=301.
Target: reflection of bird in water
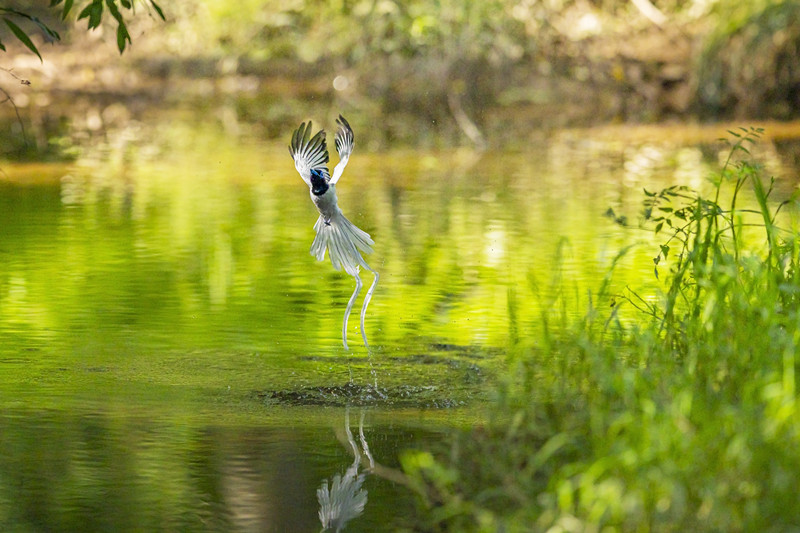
x=343 y=240
x=344 y=499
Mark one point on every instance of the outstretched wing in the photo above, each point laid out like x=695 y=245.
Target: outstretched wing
x=344 y=145
x=309 y=152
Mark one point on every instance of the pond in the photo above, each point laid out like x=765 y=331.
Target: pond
x=171 y=353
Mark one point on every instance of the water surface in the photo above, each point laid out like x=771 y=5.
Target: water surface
x=171 y=354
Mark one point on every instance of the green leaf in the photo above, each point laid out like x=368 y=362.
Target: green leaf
x=126 y=4
x=42 y=26
x=54 y=3
x=67 y=8
x=85 y=12
x=122 y=36
x=53 y=34
x=112 y=8
x=94 y=12
x=97 y=14
x=2 y=46
x=158 y=9
x=22 y=36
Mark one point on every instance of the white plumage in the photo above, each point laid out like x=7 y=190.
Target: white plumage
x=334 y=232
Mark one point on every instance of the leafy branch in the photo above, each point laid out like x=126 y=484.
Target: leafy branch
x=93 y=11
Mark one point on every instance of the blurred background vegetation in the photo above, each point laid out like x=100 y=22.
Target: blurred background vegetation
x=424 y=73
x=675 y=410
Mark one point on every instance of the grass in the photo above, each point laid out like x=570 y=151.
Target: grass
x=669 y=412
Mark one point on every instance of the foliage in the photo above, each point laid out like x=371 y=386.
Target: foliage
x=747 y=64
x=20 y=34
x=354 y=30
x=92 y=12
x=709 y=238
x=687 y=420
x=428 y=61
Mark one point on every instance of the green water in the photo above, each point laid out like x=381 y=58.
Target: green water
x=171 y=353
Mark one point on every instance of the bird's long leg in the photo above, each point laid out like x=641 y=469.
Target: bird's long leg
x=367 y=298
x=349 y=308
x=363 y=439
x=353 y=470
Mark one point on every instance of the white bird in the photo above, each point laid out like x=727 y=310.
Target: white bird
x=343 y=240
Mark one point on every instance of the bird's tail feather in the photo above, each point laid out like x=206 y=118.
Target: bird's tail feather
x=344 y=242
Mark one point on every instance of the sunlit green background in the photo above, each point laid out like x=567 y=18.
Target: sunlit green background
x=170 y=352
x=159 y=310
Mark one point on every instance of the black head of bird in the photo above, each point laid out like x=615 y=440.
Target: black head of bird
x=319 y=182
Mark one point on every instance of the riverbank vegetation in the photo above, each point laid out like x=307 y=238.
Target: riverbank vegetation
x=428 y=74
x=668 y=412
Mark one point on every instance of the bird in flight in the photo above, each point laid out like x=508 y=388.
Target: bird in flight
x=343 y=240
